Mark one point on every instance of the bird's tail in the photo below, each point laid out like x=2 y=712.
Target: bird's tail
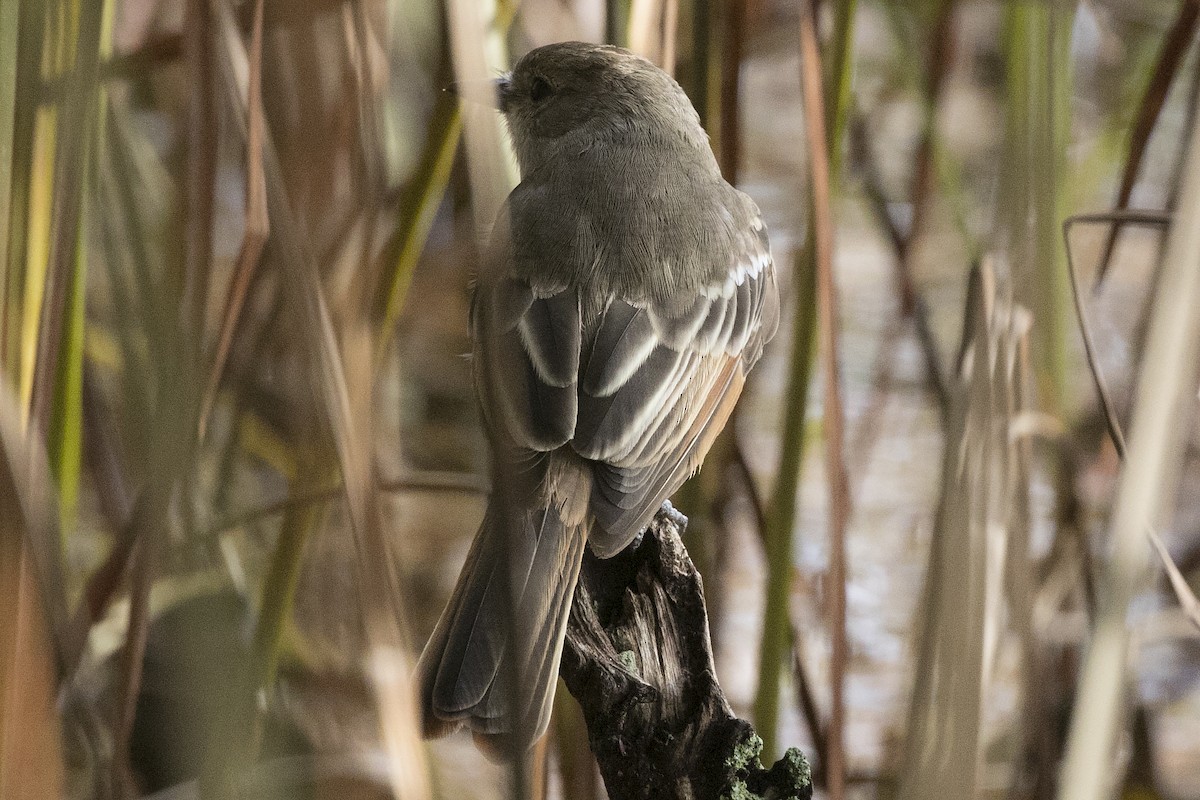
x=492 y=662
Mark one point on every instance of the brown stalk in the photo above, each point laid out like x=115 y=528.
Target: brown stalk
x=132 y=655
x=818 y=152
x=31 y=763
x=1170 y=57
x=728 y=131
x=941 y=53
x=201 y=171
x=257 y=224
x=359 y=42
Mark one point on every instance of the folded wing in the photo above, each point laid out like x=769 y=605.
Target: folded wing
x=638 y=389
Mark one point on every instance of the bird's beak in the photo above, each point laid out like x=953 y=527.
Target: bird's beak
x=502 y=91
x=489 y=93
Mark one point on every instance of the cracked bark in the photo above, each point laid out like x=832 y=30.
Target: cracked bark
x=639 y=661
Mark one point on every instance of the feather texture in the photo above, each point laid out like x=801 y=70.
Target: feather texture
x=626 y=293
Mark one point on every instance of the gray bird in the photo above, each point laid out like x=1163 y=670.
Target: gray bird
x=626 y=292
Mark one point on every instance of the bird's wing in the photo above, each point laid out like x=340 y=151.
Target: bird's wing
x=639 y=388
x=527 y=349
x=656 y=388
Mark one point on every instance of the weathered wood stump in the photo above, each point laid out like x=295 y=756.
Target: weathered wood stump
x=639 y=661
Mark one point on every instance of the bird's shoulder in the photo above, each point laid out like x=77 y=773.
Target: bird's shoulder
x=649 y=227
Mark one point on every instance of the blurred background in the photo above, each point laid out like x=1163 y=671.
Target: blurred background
x=243 y=464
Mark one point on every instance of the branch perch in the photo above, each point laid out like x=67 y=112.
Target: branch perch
x=639 y=661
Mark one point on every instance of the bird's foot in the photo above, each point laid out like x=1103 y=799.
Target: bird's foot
x=674 y=514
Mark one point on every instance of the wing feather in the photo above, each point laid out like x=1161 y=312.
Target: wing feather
x=635 y=386
x=652 y=431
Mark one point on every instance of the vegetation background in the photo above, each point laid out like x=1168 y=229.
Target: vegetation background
x=242 y=463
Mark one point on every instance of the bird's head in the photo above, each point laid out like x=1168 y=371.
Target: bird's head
x=571 y=95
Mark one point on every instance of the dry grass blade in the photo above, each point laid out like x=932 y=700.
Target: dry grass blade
x=379 y=591
x=576 y=764
x=391 y=677
x=670 y=31
x=18 y=170
x=257 y=224
x=1187 y=598
x=32 y=616
x=307 y=294
x=839 y=505
x=1163 y=406
x=418 y=208
x=645 y=29
x=141 y=574
x=28 y=513
x=1174 y=49
x=982 y=479
x=478 y=52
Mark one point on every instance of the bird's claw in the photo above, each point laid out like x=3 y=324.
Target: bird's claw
x=675 y=515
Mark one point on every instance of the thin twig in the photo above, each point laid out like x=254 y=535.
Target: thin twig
x=1140 y=217
x=1183 y=592
x=870 y=421
x=257 y=224
x=912 y=304
x=819 y=159
x=1174 y=49
x=417 y=482
x=144 y=558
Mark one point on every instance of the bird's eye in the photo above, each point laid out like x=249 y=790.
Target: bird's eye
x=539 y=90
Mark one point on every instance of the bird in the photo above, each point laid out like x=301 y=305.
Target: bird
x=624 y=295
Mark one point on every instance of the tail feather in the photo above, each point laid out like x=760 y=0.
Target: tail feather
x=468 y=668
